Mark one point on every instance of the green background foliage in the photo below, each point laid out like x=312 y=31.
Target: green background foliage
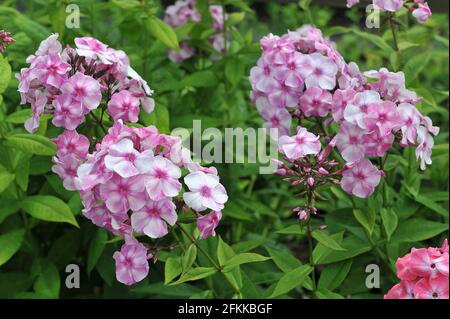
x=261 y=251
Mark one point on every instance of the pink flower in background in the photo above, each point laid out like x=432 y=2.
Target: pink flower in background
x=402 y=290
x=424 y=263
x=316 y=102
x=70 y=142
x=351 y=3
x=162 y=178
x=66 y=168
x=84 y=89
x=205 y=192
x=410 y=119
x=122 y=194
x=5 y=39
x=131 y=262
x=423 y=273
x=68 y=112
x=207 y=224
x=152 y=219
x=422 y=13
x=404 y=271
x=123 y=105
x=184 y=53
x=217 y=15
x=432 y=288
x=319 y=71
x=383 y=117
x=389 y=5
x=300 y=145
x=424 y=149
x=361 y=179
x=124 y=160
x=350 y=142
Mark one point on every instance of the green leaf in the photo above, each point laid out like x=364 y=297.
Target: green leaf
x=195 y=274
x=431 y=205
x=390 y=221
x=19 y=117
x=200 y=79
x=5 y=74
x=235 y=18
x=417 y=229
x=415 y=66
x=326 y=240
x=48 y=282
x=5 y=179
x=48 y=208
x=243 y=258
x=327 y=294
x=284 y=260
x=295 y=229
x=189 y=257
x=172 y=269
x=366 y=219
x=333 y=275
x=234 y=71
x=10 y=243
x=163 y=32
x=34 y=144
x=290 y=280
x=159 y=289
x=159 y=117
x=376 y=40
x=96 y=248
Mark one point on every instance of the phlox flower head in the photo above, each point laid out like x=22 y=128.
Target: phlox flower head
x=423 y=274
x=71 y=83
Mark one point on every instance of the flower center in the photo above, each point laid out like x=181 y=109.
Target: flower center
x=205 y=191
x=435 y=295
x=159 y=173
x=318 y=71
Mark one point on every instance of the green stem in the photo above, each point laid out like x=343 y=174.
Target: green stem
x=310 y=242
x=391 y=17
x=200 y=248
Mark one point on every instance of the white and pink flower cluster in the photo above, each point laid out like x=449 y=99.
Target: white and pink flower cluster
x=184 y=11
x=423 y=274
x=420 y=9
x=132 y=183
x=5 y=39
x=302 y=76
x=70 y=83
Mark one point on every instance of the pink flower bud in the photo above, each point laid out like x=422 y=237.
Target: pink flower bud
x=310 y=181
x=323 y=171
x=382 y=173
x=280 y=172
x=303 y=215
x=297 y=182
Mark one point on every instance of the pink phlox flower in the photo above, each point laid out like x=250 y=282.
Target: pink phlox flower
x=152 y=219
x=361 y=179
x=131 y=262
x=207 y=224
x=300 y=145
x=125 y=160
x=205 y=192
x=70 y=142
